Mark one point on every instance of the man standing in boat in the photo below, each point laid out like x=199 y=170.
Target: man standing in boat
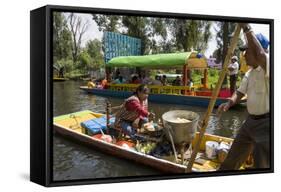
x=134 y=112
x=253 y=136
x=233 y=68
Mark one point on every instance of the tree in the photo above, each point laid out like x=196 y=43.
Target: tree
x=145 y=28
x=153 y=32
x=224 y=33
x=94 y=49
x=190 y=34
x=137 y=27
x=84 y=61
x=78 y=29
x=61 y=38
x=107 y=22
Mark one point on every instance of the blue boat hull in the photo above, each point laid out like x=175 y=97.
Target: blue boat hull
x=158 y=98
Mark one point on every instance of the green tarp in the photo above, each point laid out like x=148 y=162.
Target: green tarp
x=152 y=61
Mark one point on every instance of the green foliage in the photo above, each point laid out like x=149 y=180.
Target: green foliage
x=94 y=49
x=62 y=40
x=223 y=36
x=67 y=49
x=213 y=76
x=213 y=72
x=107 y=22
x=190 y=34
x=75 y=74
x=158 y=35
x=66 y=63
x=137 y=27
x=84 y=60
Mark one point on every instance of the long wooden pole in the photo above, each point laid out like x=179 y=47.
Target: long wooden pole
x=215 y=93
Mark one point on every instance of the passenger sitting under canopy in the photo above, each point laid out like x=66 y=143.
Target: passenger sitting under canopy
x=119 y=80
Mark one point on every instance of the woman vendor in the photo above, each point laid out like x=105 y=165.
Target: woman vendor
x=134 y=112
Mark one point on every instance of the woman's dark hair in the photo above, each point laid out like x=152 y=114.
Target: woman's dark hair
x=141 y=88
x=134 y=78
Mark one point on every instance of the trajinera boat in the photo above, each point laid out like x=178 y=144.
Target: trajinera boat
x=196 y=95
x=91 y=129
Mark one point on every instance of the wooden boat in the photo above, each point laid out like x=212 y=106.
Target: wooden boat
x=70 y=126
x=198 y=95
x=201 y=101
x=59 y=79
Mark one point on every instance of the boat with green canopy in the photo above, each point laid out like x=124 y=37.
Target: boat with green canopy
x=196 y=95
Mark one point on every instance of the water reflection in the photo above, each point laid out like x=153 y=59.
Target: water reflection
x=73 y=161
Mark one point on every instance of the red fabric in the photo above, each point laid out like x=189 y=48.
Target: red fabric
x=134 y=105
x=137 y=81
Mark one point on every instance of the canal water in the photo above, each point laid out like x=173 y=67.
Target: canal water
x=74 y=161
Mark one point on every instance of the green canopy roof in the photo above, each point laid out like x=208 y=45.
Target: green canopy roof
x=157 y=60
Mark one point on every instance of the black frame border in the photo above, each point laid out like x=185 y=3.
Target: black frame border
x=41 y=100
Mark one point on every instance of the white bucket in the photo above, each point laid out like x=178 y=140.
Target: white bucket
x=211 y=149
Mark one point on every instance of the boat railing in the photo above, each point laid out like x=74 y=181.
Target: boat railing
x=158 y=89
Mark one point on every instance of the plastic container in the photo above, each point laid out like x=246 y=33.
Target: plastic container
x=211 y=149
x=222 y=151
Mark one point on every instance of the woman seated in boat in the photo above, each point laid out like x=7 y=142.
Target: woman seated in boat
x=134 y=112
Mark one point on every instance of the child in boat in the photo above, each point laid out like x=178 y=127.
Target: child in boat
x=134 y=112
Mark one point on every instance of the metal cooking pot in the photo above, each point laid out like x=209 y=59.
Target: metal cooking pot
x=181 y=132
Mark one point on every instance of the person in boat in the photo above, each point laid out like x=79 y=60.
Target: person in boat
x=117 y=74
x=190 y=83
x=91 y=83
x=145 y=79
x=156 y=81
x=134 y=112
x=102 y=84
x=233 y=68
x=253 y=137
x=119 y=80
x=164 y=80
x=135 y=80
x=177 y=81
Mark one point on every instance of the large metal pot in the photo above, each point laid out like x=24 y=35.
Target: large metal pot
x=181 y=132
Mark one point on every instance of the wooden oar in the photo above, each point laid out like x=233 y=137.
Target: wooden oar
x=108 y=110
x=215 y=93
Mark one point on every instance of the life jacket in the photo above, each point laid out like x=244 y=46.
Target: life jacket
x=128 y=115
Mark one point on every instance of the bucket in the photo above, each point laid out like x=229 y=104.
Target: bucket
x=181 y=131
x=222 y=151
x=211 y=149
